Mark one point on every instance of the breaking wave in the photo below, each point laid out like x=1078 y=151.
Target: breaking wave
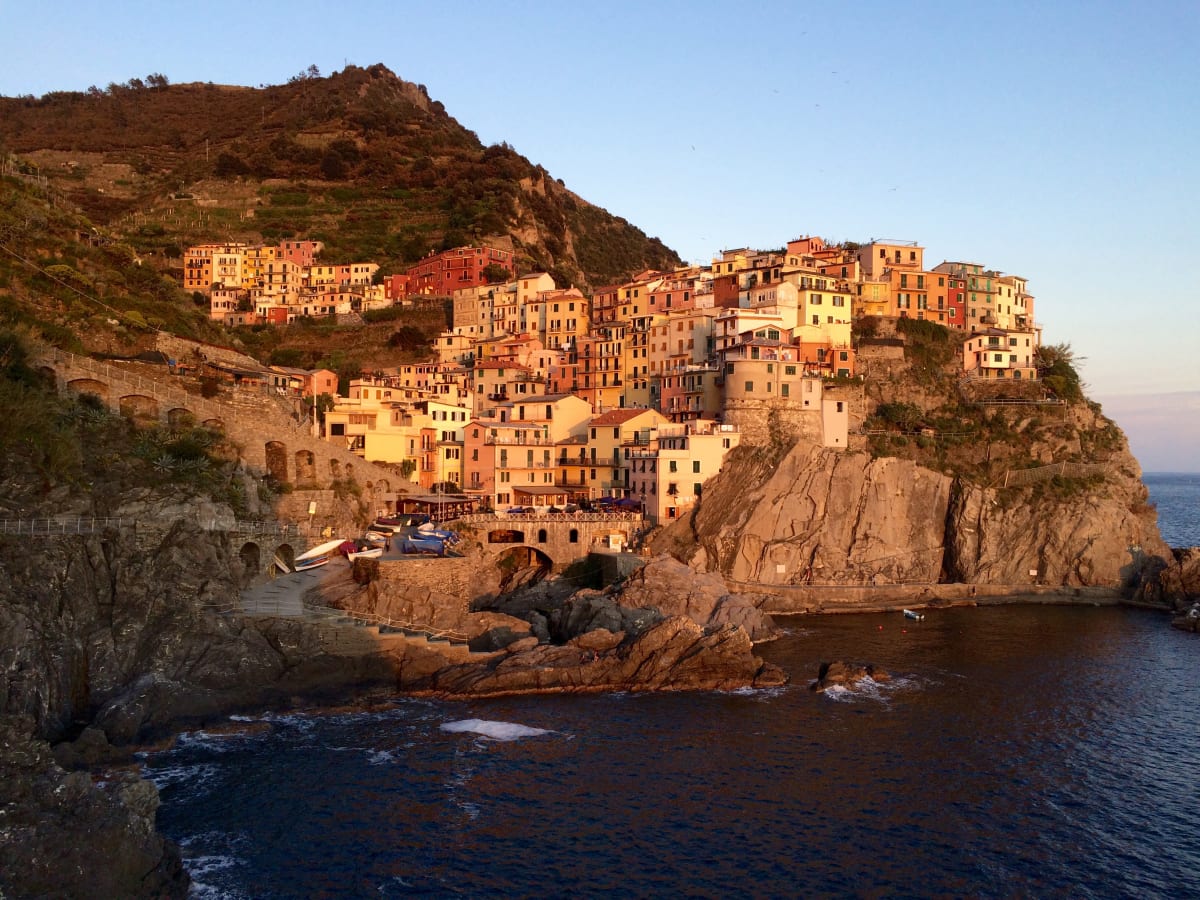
x=870 y=690
x=496 y=731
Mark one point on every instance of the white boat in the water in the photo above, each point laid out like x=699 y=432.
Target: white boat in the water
x=317 y=556
x=910 y=614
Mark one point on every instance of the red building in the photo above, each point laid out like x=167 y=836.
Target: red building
x=445 y=272
x=956 y=302
x=396 y=287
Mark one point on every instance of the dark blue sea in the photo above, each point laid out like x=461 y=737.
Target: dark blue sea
x=1177 y=496
x=1024 y=751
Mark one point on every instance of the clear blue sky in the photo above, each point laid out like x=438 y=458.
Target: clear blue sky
x=1058 y=141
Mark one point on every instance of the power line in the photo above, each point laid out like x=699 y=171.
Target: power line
x=71 y=287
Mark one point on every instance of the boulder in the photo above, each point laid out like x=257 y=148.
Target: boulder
x=89 y=750
x=672 y=654
x=848 y=675
x=675 y=589
x=1188 y=620
x=599 y=641
x=494 y=631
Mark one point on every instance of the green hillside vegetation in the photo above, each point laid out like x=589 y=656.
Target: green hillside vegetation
x=79 y=287
x=982 y=432
x=53 y=447
x=361 y=160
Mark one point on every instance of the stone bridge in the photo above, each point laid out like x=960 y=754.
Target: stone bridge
x=551 y=542
x=271 y=440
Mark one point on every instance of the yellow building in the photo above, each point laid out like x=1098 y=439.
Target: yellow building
x=594 y=465
x=254 y=263
x=668 y=473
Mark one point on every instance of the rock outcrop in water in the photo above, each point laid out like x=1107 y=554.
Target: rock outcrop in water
x=671 y=654
x=840 y=673
x=63 y=835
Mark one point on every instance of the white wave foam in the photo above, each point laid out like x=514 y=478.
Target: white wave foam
x=217 y=742
x=202 y=870
x=496 y=731
x=870 y=689
x=195 y=777
x=380 y=757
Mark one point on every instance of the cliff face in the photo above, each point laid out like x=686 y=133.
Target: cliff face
x=828 y=517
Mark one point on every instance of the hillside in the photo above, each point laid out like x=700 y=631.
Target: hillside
x=948 y=482
x=362 y=160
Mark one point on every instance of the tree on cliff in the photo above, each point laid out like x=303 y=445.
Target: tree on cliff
x=1056 y=368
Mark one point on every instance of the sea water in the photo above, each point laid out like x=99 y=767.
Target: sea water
x=1016 y=751
x=1177 y=496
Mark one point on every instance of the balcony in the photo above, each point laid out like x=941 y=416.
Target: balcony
x=528 y=441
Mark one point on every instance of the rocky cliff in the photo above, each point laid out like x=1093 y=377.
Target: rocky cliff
x=816 y=516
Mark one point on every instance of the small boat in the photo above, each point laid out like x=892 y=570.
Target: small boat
x=909 y=614
x=367 y=553
x=317 y=556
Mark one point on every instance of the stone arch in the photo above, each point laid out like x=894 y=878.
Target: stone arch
x=335 y=468
x=521 y=566
x=541 y=535
x=89 y=386
x=277 y=460
x=251 y=557
x=573 y=536
x=286 y=554
x=139 y=407
x=306 y=466
x=181 y=417
x=382 y=486
x=214 y=425
x=506 y=536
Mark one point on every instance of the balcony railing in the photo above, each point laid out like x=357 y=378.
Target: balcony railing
x=531 y=441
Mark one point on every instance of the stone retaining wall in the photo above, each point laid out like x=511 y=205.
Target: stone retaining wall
x=804 y=599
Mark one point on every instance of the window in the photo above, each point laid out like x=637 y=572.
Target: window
x=696 y=466
x=784 y=390
x=749 y=387
x=789 y=370
x=674 y=465
x=841 y=406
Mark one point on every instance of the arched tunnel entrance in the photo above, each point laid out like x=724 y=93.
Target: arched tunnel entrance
x=521 y=567
x=251 y=558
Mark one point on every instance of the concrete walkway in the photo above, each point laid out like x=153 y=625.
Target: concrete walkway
x=281 y=596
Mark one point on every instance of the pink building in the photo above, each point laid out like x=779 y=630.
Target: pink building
x=302 y=253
